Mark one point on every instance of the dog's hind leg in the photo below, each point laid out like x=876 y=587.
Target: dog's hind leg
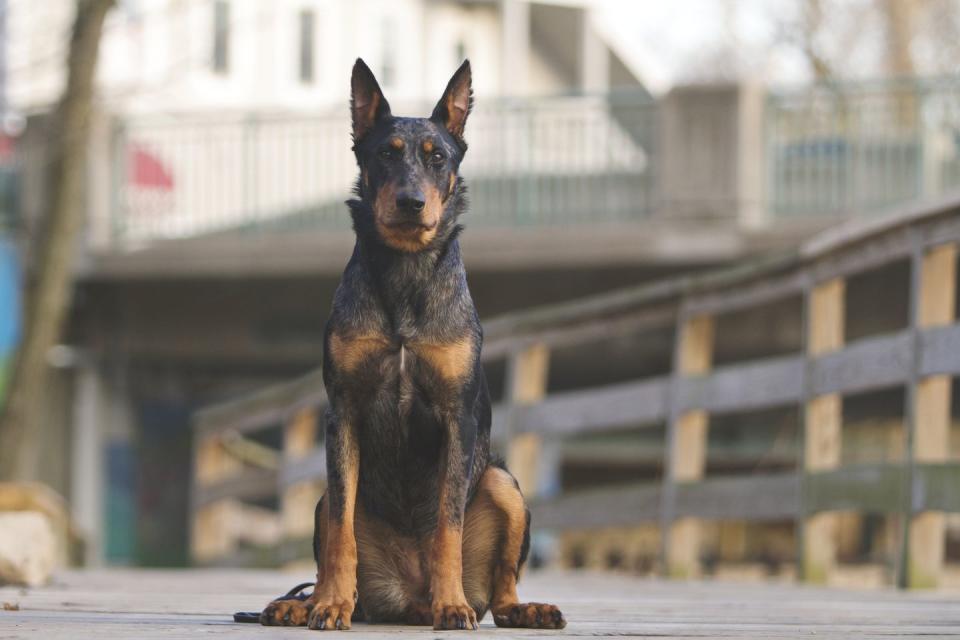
x=496 y=539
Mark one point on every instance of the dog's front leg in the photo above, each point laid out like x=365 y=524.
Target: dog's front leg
x=449 y=604
x=332 y=602
x=336 y=591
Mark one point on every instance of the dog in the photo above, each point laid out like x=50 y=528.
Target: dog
x=419 y=525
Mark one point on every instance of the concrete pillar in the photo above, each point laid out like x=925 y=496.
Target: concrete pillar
x=87 y=461
x=711 y=154
x=594 y=57
x=515 y=47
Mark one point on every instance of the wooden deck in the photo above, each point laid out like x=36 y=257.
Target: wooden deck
x=179 y=604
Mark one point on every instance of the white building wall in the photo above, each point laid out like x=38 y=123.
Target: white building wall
x=156 y=55
x=543 y=78
x=37 y=37
x=478 y=29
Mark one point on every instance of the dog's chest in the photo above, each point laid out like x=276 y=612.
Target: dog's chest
x=403 y=360
x=399 y=395
x=365 y=357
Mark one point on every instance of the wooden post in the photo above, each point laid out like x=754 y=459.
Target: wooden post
x=527 y=384
x=298 y=500
x=733 y=542
x=823 y=417
x=211 y=536
x=931 y=423
x=688 y=455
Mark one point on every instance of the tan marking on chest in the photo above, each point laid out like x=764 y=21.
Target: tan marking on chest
x=452 y=360
x=348 y=352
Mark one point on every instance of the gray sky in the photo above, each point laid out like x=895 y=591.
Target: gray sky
x=671 y=41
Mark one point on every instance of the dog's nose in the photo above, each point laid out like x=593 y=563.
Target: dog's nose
x=410 y=202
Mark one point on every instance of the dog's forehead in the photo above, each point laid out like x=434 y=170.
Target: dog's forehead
x=418 y=130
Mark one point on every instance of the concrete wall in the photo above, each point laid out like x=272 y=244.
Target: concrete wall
x=711 y=146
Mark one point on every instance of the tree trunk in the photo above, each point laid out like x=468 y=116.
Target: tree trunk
x=49 y=300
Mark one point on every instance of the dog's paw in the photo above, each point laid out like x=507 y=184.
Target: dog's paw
x=531 y=615
x=331 y=614
x=454 y=616
x=286 y=613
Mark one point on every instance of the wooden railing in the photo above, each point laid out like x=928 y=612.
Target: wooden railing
x=921 y=359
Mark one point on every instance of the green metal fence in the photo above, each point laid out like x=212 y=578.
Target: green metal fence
x=837 y=150
x=582 y=159
x=854 y=148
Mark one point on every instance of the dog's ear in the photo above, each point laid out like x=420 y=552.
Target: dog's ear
x=367 y=104
x=456 y=102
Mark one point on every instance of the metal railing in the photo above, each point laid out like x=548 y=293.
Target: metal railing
x=539 y=161
x=857 y=147
x=921 y=359
x=839 y=150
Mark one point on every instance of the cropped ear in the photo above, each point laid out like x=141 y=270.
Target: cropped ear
x=367 y=104
x=456 y=102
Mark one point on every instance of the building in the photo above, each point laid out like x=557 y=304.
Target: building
x=161 y=56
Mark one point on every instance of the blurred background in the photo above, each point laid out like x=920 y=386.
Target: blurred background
x=659 y=192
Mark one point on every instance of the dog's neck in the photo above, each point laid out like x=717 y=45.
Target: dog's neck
x=401 y=269
x=414 y=289
x=405 y=280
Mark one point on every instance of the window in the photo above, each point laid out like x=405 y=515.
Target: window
x=388 y=53
x=132 y=10
x=221 y=36
x=307 y=23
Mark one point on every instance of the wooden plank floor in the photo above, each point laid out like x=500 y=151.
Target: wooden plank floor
x=186 y=604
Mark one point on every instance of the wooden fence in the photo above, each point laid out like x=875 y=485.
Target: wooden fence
x=232 y=469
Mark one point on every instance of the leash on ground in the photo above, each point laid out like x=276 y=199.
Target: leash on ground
x=294 y=594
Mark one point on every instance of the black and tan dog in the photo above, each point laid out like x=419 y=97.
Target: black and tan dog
x=418 y=525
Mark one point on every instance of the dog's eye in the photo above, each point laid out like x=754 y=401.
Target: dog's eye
x=387 y=153
x=437 y=157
